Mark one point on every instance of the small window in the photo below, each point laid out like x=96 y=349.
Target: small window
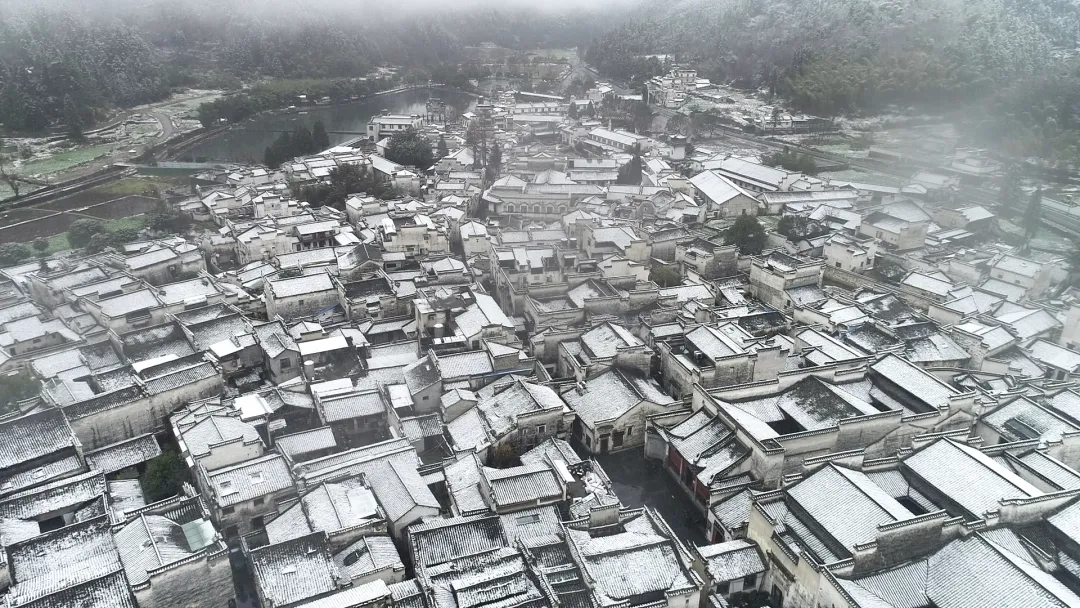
x=749 y=581
x=258 y=501
x=300 y=303
x=228 y=510
x=541 y=429
x=425 y=397
x=723 y=588
x=531 y=518
x=629 y=430
x=286 y=363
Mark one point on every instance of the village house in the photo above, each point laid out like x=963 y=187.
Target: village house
x=244 y=496
x=901 y=225
x=611 y=409
x=781 y=281
x=513 y=413
x=599 y=241
x=390 y=470
x=415 y=235
x=302 y=296
x=712 y=356
x=387 y=125
x=851 y=253
x=722 y=197
x=1032 y=276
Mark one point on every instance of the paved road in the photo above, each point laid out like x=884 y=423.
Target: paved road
x=168 y=129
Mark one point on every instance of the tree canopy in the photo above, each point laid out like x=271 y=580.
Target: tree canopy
x=13 y=253
x=797 y=227
x=747 y=234
x=1033 y=214
x=81 y=231
x=300 y=142
x=630 y=173
x=989 y=63
x=344 y=181
x=410 y=148
x=790 y=160
x=164 y=476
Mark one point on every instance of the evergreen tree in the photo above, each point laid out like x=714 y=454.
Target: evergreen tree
x=1009 y=194
x=164 y=476
x=443 y=149
x=302 y=142
x=410 y=148
x=13 y=253
x=746 y=234
x=1033 y=215
x=630 y=173
x=573 y=111
x=319 y=137
x=494 y=165
x=81 y=231
x=72 y=118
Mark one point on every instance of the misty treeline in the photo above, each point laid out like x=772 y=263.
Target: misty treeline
x=995 y=63
x=67 y=57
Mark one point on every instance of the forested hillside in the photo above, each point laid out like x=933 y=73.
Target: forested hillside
x=55 y=67
x=63 y=58
x=834 y=57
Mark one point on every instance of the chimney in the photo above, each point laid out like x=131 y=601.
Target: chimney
x=309 y=369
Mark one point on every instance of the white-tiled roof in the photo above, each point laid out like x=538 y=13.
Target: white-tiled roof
x=250 y=479
x=967 y=476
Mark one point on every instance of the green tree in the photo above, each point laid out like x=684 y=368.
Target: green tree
x=1074 y=264
x=302 y=142
x=572 y=111
x=494 y=165
x=98 y=242
x=1033 y=214
x=41 y=245
x=72 y=118
x=680 y=124
x=796 y=227
x=80 y=232
x=443 y=149
x=1009 y=194
x=164 y=476
x=410 y=148
x=344 y=181
x=746 y=234
x=791 y=160
x=630 y=173
x=123 y=235
x=319 y=137
x=15 y=388
x=665 y=275
x=164 y=218
x=13 y=253
x=641 y=115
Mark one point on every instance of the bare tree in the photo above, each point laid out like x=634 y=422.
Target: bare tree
x=13 y=181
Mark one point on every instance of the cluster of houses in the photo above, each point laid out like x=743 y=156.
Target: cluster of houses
x=408 y=402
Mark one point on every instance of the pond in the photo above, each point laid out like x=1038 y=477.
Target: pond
x=247 y=141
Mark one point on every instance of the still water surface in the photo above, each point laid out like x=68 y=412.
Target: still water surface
x=247 y=141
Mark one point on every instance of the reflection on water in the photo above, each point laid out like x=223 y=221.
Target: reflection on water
x=247 y=142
